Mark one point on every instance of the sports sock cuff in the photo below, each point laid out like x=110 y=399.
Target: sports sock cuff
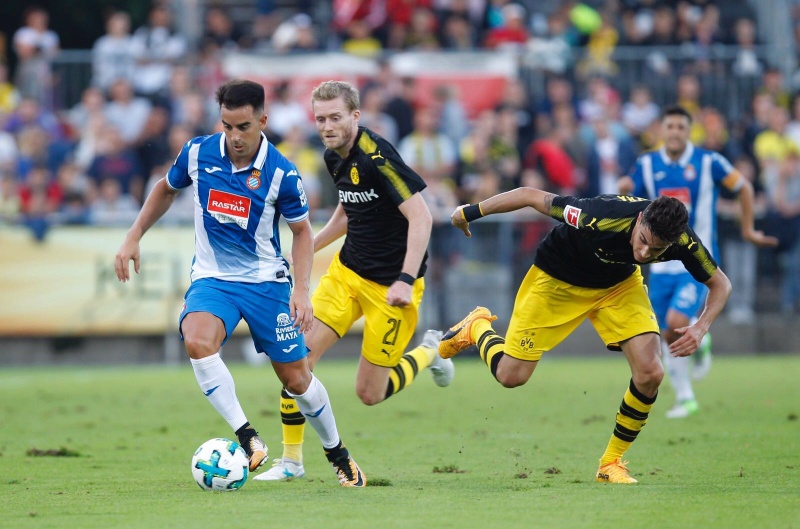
x=202 y=362
x=638 y=394
x=479 y=328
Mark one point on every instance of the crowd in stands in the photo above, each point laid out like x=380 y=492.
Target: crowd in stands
x=152 y=90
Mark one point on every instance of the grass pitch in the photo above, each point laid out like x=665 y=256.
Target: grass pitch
x=110 y=447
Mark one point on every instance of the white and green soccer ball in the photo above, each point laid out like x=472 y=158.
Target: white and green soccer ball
x=220 y=464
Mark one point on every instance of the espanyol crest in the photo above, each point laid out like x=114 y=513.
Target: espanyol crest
x=689 y=173
x=254 y=180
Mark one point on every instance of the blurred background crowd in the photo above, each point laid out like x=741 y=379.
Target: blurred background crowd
x=592 y=78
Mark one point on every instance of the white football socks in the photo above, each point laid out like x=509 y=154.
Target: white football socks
x=315 y=406
x=217 y=384
x=679 y=370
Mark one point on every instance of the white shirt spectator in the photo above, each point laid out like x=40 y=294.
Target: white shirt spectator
x=112 y=54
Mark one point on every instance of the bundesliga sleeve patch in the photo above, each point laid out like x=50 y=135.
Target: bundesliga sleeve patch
x=227 y=207
x=572 y=216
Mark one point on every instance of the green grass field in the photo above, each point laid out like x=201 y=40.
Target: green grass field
x=474 y=455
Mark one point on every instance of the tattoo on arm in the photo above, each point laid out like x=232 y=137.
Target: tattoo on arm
x=548 y=201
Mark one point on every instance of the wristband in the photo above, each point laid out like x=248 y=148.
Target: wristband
x=472 y=212
x=406 y=278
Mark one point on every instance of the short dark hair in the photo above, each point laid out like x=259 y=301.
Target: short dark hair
x=676 y=110
x=238 y=93
x=667 y=218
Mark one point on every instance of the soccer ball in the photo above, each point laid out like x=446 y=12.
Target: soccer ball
x=220 y=464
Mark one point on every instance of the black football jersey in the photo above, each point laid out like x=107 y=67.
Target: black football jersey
x=372 y=182
x=592 y=245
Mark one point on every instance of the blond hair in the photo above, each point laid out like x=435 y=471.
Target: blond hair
x=330 y=90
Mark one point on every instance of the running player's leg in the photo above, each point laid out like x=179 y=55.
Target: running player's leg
x=208 y=318
x=313 y=402
x=643 y=354
x=543 y=316
x=385 y=367
x=625 y=321
x=686 y=301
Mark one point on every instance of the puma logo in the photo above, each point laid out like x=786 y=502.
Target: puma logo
x=376 y=156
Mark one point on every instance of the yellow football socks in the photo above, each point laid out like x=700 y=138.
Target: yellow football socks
x=631 y=418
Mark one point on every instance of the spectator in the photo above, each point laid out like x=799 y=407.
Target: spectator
x=640 y=111
x=717 y=135
x=220 y=30
x=9 y=153
x=112 y=54
x=295 y=146
x=609 y=158
x=547 y=165
x=515 y=98
x=558 y=91
x=285 y=112
x=115 y=159
x=157 y=48
x=739 y=256
x=127 y=112
x=112 y=207
x=662 y=36
x=373 y=116
x=787 y=205
x=151 y=145
x=401 y=106
x=31 y=113
x=511 y=32
x=9 y=95
x=428 y=152
x=772 y=84
x=92 y=103
x=40 y=185
x=456 y=33
x=423 y=30
x=600 y=48
x=10 y=204
x=359 y=40
x=35 y=46
x=747 y=64
x=601 y=100
x=295 y=34
x=453 y=121
x=772 y=147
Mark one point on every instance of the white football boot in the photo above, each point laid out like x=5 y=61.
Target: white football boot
x=442 y=370
x=282 y=469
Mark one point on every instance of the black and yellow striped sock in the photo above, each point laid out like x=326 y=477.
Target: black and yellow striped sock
x=402 y=375
x=490 y=344
x=631 y=418
x=294 y=426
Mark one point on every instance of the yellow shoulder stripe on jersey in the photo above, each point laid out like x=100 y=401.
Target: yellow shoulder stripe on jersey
x=615 y=225
x=698 y=250
x=369 y=146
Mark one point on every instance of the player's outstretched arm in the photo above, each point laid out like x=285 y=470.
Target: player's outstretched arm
x=300 y=307
x=719 y=289
x=749 y=233
x=158 y=202
x=420 y=224
x=513 y=200
x=335 y=228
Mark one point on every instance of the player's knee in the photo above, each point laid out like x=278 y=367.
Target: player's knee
x=510 y=379
x=370 y=398
x=648 y=379
x=199 y=347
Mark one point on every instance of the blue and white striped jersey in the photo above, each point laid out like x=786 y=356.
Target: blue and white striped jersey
x=237 y=210
x=695 y=180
